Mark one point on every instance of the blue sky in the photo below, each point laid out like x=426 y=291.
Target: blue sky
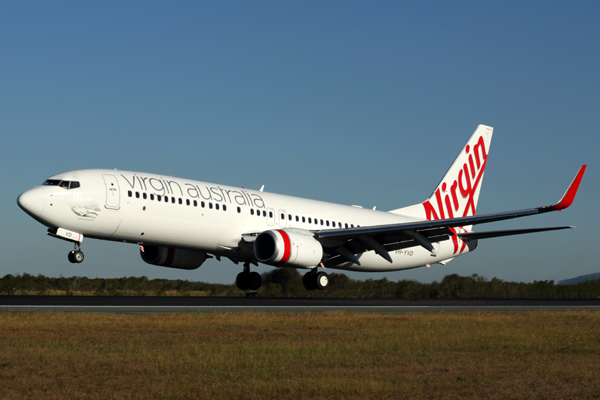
x=354 y=102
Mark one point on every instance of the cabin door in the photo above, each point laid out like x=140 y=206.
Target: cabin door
x=113 y=196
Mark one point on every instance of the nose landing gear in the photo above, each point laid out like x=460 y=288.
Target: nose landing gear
x=247 y=280
x=76 y=256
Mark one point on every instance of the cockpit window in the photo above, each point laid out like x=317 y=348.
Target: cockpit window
x=62 y=184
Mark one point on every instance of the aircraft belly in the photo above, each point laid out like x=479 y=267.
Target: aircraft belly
x=170 y=231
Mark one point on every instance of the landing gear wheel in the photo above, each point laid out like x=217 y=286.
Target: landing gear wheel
x=242 y=281
x=254 y=281
x=75 y=256
x=309 y=282
x=247 y=280
x=321 y=280
x=78 y=256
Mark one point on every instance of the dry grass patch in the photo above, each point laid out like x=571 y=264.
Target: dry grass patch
x=546 y=355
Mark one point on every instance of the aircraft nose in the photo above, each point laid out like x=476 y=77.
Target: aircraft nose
x=32 y=201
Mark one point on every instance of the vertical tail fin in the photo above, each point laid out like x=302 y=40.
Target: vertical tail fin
x=457 y=193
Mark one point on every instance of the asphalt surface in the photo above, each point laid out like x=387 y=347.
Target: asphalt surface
x=151 y=304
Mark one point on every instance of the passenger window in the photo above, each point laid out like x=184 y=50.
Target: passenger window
x=270 y=214
x=282 y=217
x=129 y=193
x=195 y=203
x=173 y=200
x=327 y=223
x=224 y=207
x=166 y=199
x=321 y=222
x=145 y=196
x=74 y=185
x=202 y=204
x=346 y=225
x=303 y=219
x=297 y=219
x=158 y=197
x=210 y=205
x=151 y=196
x=217 y=206
x=264 y=213
x=252 y=211
x=180 y=201
x=290 y=217
x=239 y=210
x=137 y=195
x=187 y=202
x=309 y=220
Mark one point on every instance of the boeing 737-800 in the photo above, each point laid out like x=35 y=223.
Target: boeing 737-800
x=179 y=223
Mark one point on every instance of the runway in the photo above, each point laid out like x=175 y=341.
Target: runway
x=151 y=304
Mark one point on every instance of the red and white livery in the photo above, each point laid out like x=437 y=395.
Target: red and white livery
x=179 y=223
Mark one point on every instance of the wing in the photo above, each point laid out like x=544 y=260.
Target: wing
x=382 y=239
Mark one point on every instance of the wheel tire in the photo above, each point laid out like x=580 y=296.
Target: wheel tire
x=321 y=280
x=254 y=281
x=71 y=257
x=242 y=281
x=309 y=281
x=78 y=256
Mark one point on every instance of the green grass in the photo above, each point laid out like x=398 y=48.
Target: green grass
x=544 y=355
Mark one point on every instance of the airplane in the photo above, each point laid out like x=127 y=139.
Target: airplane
x=180 y=223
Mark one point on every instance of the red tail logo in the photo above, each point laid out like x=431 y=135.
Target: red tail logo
x=458 y=198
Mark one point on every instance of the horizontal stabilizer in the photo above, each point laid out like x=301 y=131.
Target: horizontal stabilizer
x=492 y=234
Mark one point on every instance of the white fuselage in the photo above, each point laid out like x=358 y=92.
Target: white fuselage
x=150 y=209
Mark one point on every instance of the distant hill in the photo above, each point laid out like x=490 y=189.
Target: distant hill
x=579 y=279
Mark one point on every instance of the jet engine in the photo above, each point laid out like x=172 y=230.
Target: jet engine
x=282 y=247
x=172 y=258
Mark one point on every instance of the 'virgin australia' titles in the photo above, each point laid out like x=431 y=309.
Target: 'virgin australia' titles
x=161 y=186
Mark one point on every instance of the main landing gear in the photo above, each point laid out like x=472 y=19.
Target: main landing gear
x=315 y=279
x=247 y=280
x=76 y=256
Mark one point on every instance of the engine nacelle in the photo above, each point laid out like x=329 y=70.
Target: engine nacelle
x=283 y=247
x=172 y=258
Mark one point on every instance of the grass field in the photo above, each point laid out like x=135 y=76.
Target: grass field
x=528 y=355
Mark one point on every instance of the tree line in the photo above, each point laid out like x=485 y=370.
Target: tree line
x=287 y=282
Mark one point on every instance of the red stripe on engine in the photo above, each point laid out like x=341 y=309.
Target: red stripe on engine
x=287 y=246
x=170 y=255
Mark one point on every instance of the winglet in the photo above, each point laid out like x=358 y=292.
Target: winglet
x=569 y=195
